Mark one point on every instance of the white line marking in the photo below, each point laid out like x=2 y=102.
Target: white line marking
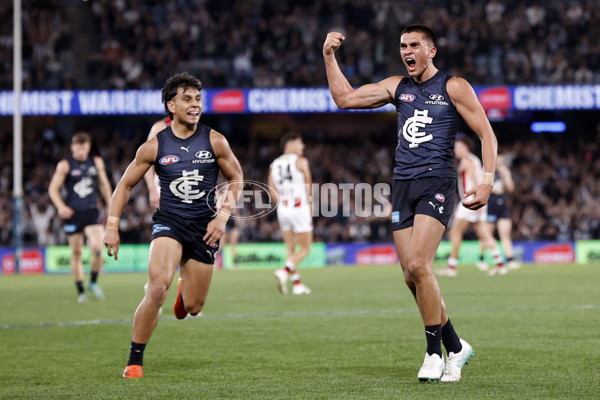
x=310 y=314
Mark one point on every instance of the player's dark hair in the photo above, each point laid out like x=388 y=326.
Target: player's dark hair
x=425 y=30
x=175 y=82
x=288 y=137
x=81 y=137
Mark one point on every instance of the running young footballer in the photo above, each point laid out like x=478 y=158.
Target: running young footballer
x=430 y=105
x=82 y=175
x=290 y=183
x=187 y=157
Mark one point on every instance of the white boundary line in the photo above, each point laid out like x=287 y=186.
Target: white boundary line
x=308 y=314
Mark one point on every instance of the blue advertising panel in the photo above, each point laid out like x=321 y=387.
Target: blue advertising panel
x=495 y=100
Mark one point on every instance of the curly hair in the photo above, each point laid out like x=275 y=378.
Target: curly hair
x=175 y=82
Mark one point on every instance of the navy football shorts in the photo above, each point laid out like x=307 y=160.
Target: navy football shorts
x=189 y=233
x=80 y=220
x=431 y=196
x=497 y=208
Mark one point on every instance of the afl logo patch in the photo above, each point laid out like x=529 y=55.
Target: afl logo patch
x=440 y=197
x=407 y=97
x=166 y=160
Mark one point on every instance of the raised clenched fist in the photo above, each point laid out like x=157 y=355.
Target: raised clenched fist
x=332 y=42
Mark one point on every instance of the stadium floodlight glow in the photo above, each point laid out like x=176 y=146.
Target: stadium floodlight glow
x=554 y=126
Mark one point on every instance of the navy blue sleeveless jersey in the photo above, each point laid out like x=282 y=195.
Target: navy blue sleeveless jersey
x=427 y=126
x=188 y=171
x=82 y=184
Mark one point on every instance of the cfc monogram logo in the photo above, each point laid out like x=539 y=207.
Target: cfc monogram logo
x=186 y=187
x=84 y=187
x=411 y=127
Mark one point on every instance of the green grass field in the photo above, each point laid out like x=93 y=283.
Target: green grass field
x=357 y=336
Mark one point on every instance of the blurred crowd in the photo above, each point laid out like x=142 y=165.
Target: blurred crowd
x=556 y=194
x=276 y=43
x=47 y=45
x=557 y=190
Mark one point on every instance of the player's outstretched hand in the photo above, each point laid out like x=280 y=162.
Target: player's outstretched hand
x=112 y=241
x=332 y=42
x=482 y=194
x=214 y=231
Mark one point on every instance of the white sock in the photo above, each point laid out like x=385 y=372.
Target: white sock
x=497 y=257
x=290 y=265
x=452 y=262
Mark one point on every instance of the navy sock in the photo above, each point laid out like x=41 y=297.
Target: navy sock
x=433 y=333
x=79 y=286
x=93 y=277
x=136 y=353
x=450 y=338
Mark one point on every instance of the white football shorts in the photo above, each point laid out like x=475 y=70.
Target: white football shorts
x=470 y=215
x=296 y=219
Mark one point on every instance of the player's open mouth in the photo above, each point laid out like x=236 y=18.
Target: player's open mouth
x=411 y=63
x=193 y=113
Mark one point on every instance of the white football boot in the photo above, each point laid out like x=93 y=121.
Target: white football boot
x=300 y=288
x=512 y=265
x=281 y=276
x=446 y=272
x=432 y=369
x=455 y=362
x=498 y=271
x=482 y=265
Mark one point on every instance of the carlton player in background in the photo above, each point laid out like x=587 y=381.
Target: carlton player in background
x=187 y=157
x=82 y=175
x=430 y=105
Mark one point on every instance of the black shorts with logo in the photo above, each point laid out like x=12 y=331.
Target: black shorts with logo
x=497 y=208
x=190 y=233
x=431 y=196
x=80 y=220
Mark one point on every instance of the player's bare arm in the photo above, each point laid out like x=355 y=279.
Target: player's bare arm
x=143 y=160
x=302 y=164
x=57 y=181
x=372 y=95
x=232 y=171
x=103 y=181
x=153 y=196
x=468 y=106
